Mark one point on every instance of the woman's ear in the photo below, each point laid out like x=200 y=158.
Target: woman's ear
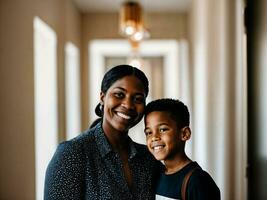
x=102 y=97
x=185 y=133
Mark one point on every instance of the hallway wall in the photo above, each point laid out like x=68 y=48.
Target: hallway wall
x=219 y=93
x=17 y=153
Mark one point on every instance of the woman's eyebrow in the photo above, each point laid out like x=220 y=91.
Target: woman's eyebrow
x=121 y=88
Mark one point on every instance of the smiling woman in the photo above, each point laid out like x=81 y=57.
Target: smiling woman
x=124 y=104
x=103 y=162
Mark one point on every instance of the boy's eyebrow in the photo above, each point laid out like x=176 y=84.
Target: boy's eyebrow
x=146 y=128
x=163 y=123
x=160 y=124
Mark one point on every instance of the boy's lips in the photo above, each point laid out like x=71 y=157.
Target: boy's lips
x=157 y=147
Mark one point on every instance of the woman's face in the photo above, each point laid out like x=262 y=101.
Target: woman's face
x=124 y=104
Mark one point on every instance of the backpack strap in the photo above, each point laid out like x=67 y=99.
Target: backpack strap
x=185 y=181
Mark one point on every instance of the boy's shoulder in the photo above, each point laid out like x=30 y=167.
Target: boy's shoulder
x=199 y=174
x=201 y=183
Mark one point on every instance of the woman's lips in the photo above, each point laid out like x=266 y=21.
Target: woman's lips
x=124 y=116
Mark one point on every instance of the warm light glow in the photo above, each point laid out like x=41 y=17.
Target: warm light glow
x=129 y=30
x=135 y=59
x=136 y=62
x=138 y=36
x=131 y=23
x=134 y=45
x=130 y=18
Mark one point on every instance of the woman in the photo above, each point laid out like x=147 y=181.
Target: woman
x=103 y=162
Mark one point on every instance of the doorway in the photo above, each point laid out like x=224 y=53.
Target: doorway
x=163 y=61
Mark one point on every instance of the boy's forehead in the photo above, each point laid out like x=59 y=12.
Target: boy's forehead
x=159 y=112
x=158 y=115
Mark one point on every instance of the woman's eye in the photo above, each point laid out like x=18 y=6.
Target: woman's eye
x=139 y=99
x=119 y=94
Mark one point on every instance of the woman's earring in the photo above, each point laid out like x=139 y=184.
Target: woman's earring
x=101 y=107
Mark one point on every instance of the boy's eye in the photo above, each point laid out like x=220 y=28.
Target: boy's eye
x=163 y=129
x=148 y=132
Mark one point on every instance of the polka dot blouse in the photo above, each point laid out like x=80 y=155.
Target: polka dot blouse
x=86 y=167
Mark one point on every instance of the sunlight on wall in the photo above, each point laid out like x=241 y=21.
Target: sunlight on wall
x=72 y=81
x=45 y=98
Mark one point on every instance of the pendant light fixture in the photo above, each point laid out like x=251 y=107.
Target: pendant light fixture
x=131 y=22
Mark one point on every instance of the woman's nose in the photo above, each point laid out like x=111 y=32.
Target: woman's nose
x=128 y=103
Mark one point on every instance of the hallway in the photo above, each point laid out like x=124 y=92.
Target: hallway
x=199 y=54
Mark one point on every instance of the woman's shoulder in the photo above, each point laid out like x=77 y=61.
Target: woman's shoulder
x=76 y=145
x=83 y=137
x=86 y=136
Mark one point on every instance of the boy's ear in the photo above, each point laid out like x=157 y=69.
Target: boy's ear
x=185 y=133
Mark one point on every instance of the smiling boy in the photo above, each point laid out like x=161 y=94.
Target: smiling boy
x=167 y=129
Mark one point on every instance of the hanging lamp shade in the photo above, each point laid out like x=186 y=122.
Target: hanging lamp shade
x=130 y=18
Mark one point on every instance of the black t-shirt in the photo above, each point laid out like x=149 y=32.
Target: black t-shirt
x=200 y=185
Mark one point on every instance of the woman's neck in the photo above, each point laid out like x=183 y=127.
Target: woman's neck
x=118 y=140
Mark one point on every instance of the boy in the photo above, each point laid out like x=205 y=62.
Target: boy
x=167 y=130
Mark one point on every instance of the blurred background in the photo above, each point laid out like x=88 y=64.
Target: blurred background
x=210 y=54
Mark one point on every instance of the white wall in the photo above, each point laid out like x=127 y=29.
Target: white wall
x=219 y=93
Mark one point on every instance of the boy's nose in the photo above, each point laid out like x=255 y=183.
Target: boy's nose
x=155 y=137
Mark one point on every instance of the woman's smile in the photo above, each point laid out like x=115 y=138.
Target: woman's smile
x=124 y=116
x=123 y=104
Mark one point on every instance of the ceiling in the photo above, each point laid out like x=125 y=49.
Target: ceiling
x=179 y=6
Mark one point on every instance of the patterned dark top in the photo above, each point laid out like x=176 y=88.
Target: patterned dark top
x=86 y=167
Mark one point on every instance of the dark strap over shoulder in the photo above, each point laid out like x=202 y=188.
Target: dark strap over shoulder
x=185 y=181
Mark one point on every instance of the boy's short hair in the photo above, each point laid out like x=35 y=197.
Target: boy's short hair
x=178 y=110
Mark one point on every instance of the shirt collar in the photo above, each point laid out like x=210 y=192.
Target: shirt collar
x=104 y=146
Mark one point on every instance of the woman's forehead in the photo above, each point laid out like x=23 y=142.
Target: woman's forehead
x=130 y=82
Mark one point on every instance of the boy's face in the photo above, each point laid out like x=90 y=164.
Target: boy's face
x=163 y=138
